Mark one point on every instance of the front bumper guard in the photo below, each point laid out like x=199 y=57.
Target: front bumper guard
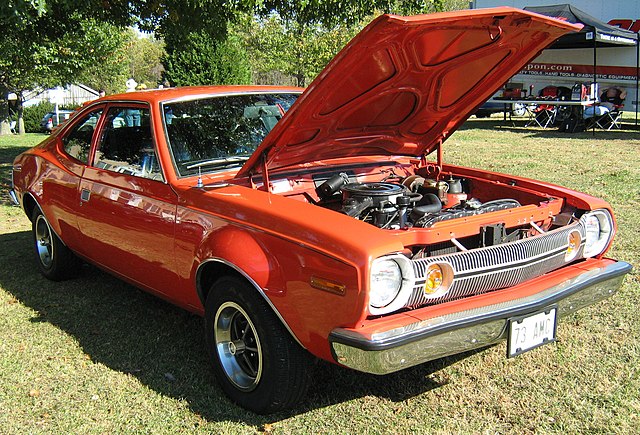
x=396 y=349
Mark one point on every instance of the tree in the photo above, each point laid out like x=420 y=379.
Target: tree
x=203 y=60
x=145 y=56
x=131 y=56
x=108 y=68
x=297 y=39
x=295 y=50
x=34 y=55
x=44 y=41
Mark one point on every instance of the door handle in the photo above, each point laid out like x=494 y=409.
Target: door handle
x=85 y=194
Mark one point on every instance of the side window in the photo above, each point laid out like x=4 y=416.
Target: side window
x=126 y=146
x=78 y=142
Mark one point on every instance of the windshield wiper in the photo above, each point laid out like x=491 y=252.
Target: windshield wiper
x=222 y=161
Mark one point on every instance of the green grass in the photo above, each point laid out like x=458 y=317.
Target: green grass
x=92 y=355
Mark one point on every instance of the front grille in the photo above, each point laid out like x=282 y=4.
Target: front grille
x=485 y=269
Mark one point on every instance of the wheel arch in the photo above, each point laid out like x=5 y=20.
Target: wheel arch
x=29 y=203
x=214 y=268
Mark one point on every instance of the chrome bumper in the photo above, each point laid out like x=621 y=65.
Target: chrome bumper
x=14 y=197
x=396 y=349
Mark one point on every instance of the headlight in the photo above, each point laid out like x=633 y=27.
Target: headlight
x=598 y=227
x=385 y=282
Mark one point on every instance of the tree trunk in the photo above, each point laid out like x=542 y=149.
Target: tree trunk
x=299 y=75
x=20 y=126
x=5 y=128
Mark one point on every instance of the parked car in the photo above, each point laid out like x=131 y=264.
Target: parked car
x=489 y=108
x=50 y=120
x=325 y=222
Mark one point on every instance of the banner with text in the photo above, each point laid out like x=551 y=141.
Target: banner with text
x=604 y=72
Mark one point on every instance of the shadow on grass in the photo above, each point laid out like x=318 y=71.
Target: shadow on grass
x=7 y=154
x=135 y=333
x=518 y=125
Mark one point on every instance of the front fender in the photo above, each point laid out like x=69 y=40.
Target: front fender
x=243 y=250
x=282 y=272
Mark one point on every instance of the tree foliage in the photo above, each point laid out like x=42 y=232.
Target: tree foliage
x=350 y=12
x=293 y=49
x=203 y=60
x=108 y=68
x=138 y=57
x=38 y=54
x=144 y=58
x=295 y=40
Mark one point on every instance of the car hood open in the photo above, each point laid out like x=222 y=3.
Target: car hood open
x=404 y=84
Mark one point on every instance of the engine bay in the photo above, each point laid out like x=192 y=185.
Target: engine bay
x=414 y=201
x=433 y=209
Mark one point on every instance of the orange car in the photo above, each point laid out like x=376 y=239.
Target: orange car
x=315 y=222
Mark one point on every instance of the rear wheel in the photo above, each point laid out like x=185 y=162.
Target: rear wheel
x=55 y=260
x=255 y=359
x=519 y=109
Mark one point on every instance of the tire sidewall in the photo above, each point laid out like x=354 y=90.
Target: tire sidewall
x=47 y=271
x=231 y=289
x=64 y=263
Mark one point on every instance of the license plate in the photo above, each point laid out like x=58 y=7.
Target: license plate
x=530 y=331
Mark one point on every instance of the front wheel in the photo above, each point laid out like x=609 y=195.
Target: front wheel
x=255 y=359
x=55 y=260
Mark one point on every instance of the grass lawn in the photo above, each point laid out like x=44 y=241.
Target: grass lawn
x=95 y=355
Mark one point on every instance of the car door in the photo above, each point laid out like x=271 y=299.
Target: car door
x=60 y=186
x=128 y=211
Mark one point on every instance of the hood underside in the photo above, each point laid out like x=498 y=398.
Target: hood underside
x=404 y=84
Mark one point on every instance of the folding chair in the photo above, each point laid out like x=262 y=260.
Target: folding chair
x=610 y=120
x=612 y=98
x=544 y=115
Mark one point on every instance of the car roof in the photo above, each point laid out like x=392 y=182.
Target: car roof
x=167 y=94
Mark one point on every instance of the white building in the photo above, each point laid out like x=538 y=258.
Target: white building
x=72 y=95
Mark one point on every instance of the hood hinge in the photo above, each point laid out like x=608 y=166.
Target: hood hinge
x=439 y=161
x=434 y=170
x=266 y=184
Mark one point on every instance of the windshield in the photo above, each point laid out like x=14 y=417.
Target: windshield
x=215 y=133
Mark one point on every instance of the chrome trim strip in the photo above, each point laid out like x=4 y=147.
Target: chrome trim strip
x=399 y=348
x=231 y=92
x=253 y=283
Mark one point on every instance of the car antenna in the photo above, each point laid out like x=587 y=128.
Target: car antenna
x=199 y=183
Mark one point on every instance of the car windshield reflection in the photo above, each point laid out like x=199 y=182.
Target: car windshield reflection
x=210 y=134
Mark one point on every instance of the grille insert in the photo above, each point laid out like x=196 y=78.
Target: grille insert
x=485 y=269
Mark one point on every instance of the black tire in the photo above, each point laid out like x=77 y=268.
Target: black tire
x=256 y=361
x=55 y=261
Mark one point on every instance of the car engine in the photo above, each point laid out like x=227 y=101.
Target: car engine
x=411 y=202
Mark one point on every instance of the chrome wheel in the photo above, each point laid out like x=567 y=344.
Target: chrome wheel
x=238 y=346
x=44 y=241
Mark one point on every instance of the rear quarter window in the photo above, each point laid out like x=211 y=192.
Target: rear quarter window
x=77 y=142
